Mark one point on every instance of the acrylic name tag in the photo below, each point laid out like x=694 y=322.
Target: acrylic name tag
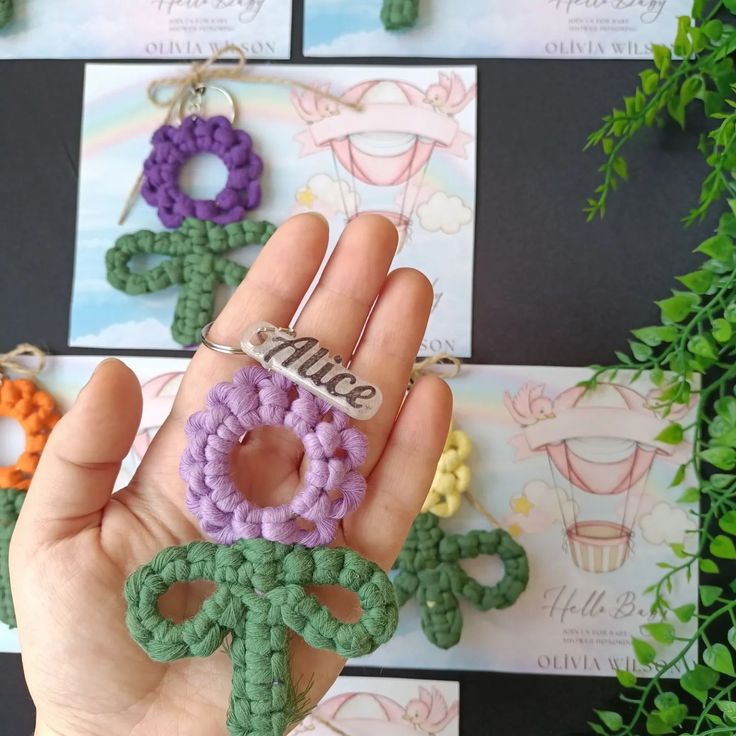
x=308 y=364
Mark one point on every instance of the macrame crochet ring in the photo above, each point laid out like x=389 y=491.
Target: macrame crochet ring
x=173 y=146
x=35 y=411
x=430 y=570
x=197 y=262
x=332 y=485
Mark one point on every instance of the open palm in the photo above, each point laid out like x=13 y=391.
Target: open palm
x=75 y=543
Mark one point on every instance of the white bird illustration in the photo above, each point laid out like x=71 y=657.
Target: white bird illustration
x=430 y=712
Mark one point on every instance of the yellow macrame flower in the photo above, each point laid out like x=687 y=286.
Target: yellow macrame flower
x=452 y=477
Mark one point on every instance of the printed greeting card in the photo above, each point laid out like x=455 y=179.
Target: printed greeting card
x=396 y=141
x=147 y=29
x=64 y=377
x=385 y=706
x=581 y=482
x=569 y=29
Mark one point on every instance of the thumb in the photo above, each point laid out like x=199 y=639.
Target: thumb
x=82 y=457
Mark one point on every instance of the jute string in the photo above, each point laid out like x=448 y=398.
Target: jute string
x=432 y=365
x=12 y=363
x=196 y=77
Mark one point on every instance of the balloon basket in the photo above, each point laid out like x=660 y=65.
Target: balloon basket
x=401 y=222
x=599 y=546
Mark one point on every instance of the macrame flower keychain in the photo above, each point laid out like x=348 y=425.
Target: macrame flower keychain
x=34 y=410
x=429 y=564
x=205 y=231
x=264 y=559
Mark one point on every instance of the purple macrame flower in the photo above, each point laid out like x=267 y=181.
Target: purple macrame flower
x=332 y=488
x=173 y=146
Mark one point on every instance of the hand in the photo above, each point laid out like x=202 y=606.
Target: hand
x=75 y=543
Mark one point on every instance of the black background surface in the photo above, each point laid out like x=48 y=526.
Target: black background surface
x=549 y=288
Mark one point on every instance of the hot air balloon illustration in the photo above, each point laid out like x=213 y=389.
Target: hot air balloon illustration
x=385 y=143
x=601 y=445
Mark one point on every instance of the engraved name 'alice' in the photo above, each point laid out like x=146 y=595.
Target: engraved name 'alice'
x=649 y=10
x=250 y=8
x=312 y=365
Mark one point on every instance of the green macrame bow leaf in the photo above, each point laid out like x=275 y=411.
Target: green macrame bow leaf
x=259 y=598
x=6 y=12
x=196 y=262
x=11 y=502
x=399 y=14
x=430 y=571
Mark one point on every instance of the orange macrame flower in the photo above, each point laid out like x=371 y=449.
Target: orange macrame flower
x=36 y=412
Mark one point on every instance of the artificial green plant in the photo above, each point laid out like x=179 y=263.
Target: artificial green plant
x=694 y=345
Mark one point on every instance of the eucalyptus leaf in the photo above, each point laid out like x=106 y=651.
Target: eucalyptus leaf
x=698 y=681
x=656 y=726
x=643 y=651
x=719 y=658
x=723 y=458
x=685 y=613
x=663 y=633
x=626 y=678
x=727 y=522
x=723 y=547
x=610 y=719
x=709 y=594
x=709 y=567
x=672 y=434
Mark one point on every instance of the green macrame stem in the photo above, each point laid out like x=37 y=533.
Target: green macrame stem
x=399 y=14
x=196 y=262
x=259 y=598
x=11 y=502
x=6 y=12
x=430 y=570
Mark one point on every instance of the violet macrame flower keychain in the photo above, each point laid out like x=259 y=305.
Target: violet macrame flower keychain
x=174 y=145
x=264 y=558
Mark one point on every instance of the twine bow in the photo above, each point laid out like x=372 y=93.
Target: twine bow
x=430 y=570
x=11 y=363
x=196 y=77
x=428 y=366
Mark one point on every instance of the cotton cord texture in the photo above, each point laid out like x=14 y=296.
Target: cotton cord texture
x=11 y=502
x=173 y=146
x=260 y=597
x=6 y=12
x=429 y=569
x=196 y=262
x=332 y=486
x=397 y=15
x=35 y=411
x=452 y=477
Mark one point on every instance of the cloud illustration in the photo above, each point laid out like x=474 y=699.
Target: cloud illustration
x=147 y=333
x=443 y=212
x=539 y=507
x=666 y=524
x=327 y=196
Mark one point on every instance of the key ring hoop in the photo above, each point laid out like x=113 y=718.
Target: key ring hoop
x=191 y=103
x=229 y=349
